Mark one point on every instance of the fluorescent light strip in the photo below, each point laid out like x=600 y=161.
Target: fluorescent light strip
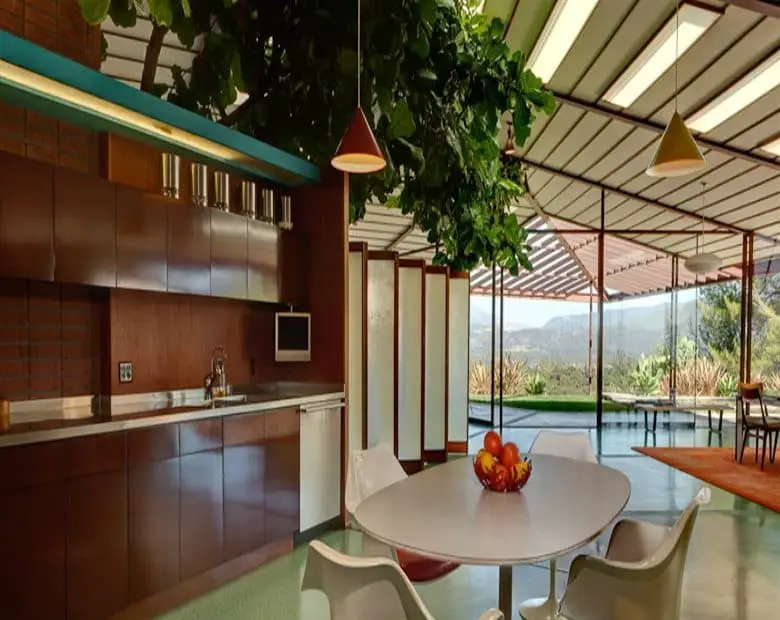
x=751 y=87
x=562 y=28
x=772 y=147
x=659 y=55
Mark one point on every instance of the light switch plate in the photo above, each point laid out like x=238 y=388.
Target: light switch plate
x=125 y=372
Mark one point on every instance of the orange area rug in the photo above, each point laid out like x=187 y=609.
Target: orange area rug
x=716 y=466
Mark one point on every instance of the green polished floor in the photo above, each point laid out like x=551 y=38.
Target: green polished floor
x=733 y=570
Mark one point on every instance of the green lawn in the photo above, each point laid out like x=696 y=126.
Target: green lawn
x=567 y=404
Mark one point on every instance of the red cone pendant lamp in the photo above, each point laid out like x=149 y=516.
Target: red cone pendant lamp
x=358 y=151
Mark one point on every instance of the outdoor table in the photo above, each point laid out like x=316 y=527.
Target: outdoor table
x=445 y=514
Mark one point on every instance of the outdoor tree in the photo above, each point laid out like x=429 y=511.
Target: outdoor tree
x=436 y=78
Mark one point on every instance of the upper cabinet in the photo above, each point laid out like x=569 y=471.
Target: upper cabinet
x=84 y=229
x=228 y=255
x=189 y=249
x=26 y=218
x=263 y=262
x=141 y=240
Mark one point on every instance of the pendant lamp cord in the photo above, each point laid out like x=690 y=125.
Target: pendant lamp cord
x=676 y=49
x=358 y=53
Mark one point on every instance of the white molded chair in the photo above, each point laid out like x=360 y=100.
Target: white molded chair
x=362 y=588
x=640 y=577
x=368 y=472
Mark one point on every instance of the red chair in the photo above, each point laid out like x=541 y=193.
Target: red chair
x=370 y=471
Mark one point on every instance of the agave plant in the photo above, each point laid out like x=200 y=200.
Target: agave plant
x=536 y=385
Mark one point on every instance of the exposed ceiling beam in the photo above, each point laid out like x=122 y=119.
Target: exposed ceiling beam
x=655 y=203
x=399 y=239
x=765 y=7
x=650 y=125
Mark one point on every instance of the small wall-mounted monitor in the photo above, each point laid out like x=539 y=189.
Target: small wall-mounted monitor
x=293 y=337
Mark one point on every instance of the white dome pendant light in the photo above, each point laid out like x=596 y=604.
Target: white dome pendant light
x=677 y=153
x=706 y=262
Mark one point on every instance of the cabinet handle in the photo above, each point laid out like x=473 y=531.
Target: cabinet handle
x=336 y=404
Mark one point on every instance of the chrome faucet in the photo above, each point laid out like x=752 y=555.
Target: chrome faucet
x=215 y=382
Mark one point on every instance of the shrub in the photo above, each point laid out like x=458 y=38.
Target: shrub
x=727 y=385
x=536 y=385
x=645 y=379
x=515 y=373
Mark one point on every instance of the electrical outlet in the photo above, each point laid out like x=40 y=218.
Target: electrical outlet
x=125 y=372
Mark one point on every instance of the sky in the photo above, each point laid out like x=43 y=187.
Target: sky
x=536 y=312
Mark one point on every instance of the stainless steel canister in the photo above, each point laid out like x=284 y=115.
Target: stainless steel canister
x=285 y=223
x=171 y=182
x=269 y=205
x=200 y=184
x=249 y=199
x=221 y=190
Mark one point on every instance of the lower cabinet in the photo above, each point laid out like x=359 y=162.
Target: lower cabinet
x=320 y=468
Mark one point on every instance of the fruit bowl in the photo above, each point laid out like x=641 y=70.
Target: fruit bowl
x=499 y=467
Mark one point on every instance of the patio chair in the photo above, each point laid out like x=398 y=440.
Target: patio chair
x=641 y=576
x=760 y=426
x=360 y=588
x=368 y=472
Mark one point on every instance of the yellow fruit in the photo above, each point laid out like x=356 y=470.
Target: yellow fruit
x=486 y=461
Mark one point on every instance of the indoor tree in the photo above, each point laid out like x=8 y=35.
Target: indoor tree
x=436 y=78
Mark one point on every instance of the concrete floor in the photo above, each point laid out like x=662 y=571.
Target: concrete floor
x=733 y=570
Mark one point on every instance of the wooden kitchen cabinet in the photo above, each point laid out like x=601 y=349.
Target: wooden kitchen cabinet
x=141 y=240
x=263 y=262
x=228 y=255
x=282 y=502
x=84 y=229
x=26 y=218
x=189 y=248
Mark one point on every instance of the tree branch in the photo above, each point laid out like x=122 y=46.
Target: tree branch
x=239 y=113
x=152 y=57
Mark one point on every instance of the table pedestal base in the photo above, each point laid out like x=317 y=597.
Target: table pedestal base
x=505 y=590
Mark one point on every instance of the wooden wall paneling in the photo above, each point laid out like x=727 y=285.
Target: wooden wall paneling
x=244 y=483
x=382 y=419
x=357 y=397
x=96 y=528
x=293 y=267
x=27 y=216
x=436 y=354
x=189 y=248
x=153 y=509
x=282 y=486
x=458 y=362
x=411 y=362
x=263 y=269
x=84 y=229
x=141 y=240
x=200 y=487
x=229 y=258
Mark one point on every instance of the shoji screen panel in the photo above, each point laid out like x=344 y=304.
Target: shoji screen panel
x=436 y=374
x=458 y=363
x=357 y=402
x=382 y=394
x=411 y=362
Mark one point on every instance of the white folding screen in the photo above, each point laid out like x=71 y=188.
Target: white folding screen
x=382 y=343
x=356 y=398
x=458 y=363
x=411 y=343
x=436 y=345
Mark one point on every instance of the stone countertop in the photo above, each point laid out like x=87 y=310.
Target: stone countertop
x=36 y=422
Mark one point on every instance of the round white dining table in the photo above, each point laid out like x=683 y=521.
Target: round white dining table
x=444 y=513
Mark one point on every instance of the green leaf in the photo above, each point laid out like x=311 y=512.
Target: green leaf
x=122 y=13
x=161 y=11
x=94 y=11
x=420 y=46
x=401 y=122
x=186 y=8
x=427 y=74
x=427 y=10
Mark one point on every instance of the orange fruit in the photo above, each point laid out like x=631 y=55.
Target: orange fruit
x=510 y=455
x=486 y=462
x=492 y=443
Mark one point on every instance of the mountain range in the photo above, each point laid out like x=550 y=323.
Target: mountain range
x=630 y=331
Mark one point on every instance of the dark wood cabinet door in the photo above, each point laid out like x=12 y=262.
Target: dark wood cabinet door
x=84 y=229
x=141 y=240
x=263 y=262
x=97 y=555
x=26 y=218
x=244 y=483
x=189 y=249
x=153 y=527
x=201 y=523
x=282 y=479
x=228 y=255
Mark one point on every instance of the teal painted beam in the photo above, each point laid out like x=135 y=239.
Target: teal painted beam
x=56 y=86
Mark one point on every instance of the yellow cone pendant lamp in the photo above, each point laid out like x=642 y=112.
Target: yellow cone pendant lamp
x=358 y=151
x=677 y=153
